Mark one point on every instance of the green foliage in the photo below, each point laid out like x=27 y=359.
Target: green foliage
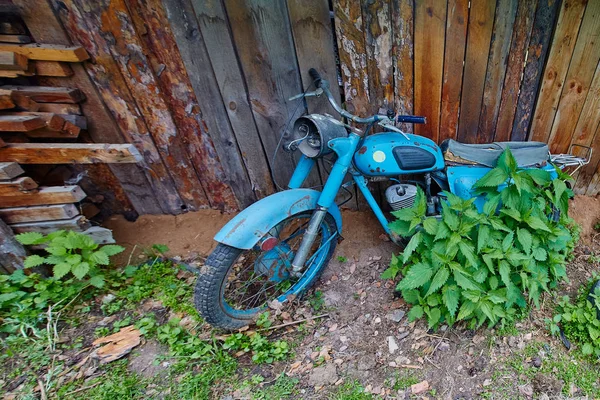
x=263 y=320
x=70 y=253
x=342 y=259
x=316 y=301
x=579 y=320
x=485 y=266
x=263 y=351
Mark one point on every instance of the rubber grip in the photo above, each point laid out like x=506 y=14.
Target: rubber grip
x=411 y=119
x=316 y=77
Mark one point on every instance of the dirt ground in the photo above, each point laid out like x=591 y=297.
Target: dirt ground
x=365 y=336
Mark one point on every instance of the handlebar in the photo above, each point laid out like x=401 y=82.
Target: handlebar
x=323 y=84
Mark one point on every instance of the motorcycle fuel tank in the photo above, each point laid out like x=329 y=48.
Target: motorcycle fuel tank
x=391 y=154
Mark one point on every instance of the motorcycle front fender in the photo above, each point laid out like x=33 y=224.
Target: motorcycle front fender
x=246 y=228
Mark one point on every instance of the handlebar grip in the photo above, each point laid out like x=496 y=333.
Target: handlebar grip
x=411 y=119
x=316 y=77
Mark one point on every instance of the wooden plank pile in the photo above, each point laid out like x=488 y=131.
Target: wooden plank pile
x=31 y=117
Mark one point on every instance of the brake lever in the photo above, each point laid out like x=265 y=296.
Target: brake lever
x=393 y=128
x=315 y=93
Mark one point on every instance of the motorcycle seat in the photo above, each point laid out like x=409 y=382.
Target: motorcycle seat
x=527 y=154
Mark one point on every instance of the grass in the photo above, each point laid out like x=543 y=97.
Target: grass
x=351 y=391
x=404 y=380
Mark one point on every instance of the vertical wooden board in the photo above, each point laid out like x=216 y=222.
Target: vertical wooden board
x=45 y=27
x=586 y=133
x=111 y=18
x=214 y=27
x=109 y=82
x=506 y=11
x=403 y=58
x=539 y=45
x=454 y=56
x=314 y=44
x=377 y=20
x=577 y=84
x=12 y=253
x=263 y=39
x=430 y=24
x=353 y=55
x=481 y=21
x=514 y=69
x=173 y=80
x=557 y=65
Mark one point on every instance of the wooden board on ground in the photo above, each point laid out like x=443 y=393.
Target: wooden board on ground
x=47 y=94
x=12 y=61
x=14 y=123
x=47 y=52
x=44 y=196
x=17 y=215
x=9 y=170
x=52 y=68
x=77 y=224
x=69 y=153
x=17 y=186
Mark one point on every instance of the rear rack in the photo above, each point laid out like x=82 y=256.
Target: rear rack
x=570 y=160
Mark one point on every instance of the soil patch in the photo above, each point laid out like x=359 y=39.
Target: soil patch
x=585 y=210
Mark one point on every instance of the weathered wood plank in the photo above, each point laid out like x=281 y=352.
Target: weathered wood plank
x=24 y=102
x=263 y=39
x=10 y=170
x=17 y=215
x=20 y=39
x=514 y=70
x=44 y=196
x=6 y=102
x=45 y=27
x=112 y=20
x=403 y=57
x=221 y=54
x=60 y=108
x=579 y=77
x=69 y=153
x=454 y=54
x=47 y=94
x=70 y=132
x=175 y=84
x=506 y=11
x=18 y=185
x=430 y=24
x=77 y=224
x=481 y=21
x=13 y=61
x=586 y=134
x=539 y=45
x=52 y=121
x=12 y=253
x=52 y=68
x=14 y=123
x=561 y=51
x=351 y=45
x=47 y=52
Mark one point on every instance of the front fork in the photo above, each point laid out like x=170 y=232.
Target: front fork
x=345 y=148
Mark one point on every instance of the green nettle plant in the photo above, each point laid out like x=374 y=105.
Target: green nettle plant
x=70 y=253
x=485 y=266
x=580 y=321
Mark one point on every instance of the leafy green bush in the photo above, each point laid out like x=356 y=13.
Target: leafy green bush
x=263 y=351
x=484 y=266
x=70 y=252
x=580 y=321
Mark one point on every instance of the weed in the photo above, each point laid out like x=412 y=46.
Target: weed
x=404 y=380
x=351 y=391
x=263 y=320
x=316 y=301
x=342 y=259
x=283 y=388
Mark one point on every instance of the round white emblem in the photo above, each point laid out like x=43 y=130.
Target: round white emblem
x=379 y=156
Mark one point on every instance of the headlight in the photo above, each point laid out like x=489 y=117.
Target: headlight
x=312 y=132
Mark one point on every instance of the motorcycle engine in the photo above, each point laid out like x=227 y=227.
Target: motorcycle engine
x=401 y=196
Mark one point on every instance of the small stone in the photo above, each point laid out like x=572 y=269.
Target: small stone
x=402 y=360
x=377 y=320
x=343 y=348
x=487 y=382
x=333 y=327
x=396 y=315
x=419 y=387
x=444 y=346
x=108 y=298
x=537 y=362
x=376 y=258
x=343 y=339
x=526 y=390
x=323 y=375
x=478 y=339
x=392 y=345
x=403 y=335
x=527 y=337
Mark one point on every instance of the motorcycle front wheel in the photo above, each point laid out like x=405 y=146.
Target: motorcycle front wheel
x=235 y=285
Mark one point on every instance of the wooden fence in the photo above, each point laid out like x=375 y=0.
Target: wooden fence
x=201 y=86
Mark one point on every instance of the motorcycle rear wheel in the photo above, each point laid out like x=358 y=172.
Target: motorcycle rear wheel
x=264 y=274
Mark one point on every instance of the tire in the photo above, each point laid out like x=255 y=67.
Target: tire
x=208 y=293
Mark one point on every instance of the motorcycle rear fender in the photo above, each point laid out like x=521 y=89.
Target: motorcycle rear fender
x=246 y=228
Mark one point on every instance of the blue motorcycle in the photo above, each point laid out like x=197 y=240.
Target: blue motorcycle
x=274 y=250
